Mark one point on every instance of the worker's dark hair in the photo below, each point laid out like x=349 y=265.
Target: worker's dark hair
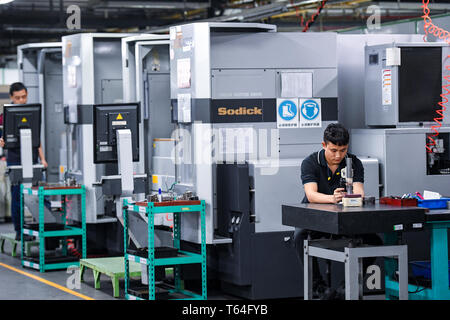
x=16 y=86
x=336 y=134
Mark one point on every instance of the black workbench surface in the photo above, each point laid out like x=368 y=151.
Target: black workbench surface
x=340 y=220
x=438 y=215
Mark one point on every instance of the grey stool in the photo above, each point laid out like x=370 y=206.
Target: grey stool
x=343 y=250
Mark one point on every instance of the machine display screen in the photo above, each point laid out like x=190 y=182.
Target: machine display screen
x=107 y=120
x=21 y=116
x=420 y=83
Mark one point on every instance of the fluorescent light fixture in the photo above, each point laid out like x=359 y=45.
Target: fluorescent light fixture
x=5 y=1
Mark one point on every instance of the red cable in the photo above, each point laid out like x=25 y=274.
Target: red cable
x=319 y=9
x=311 y=20
x=430 y=27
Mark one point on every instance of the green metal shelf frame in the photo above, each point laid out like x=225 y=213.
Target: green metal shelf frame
x=439 y=267
x=184 y=257
x=41 y=192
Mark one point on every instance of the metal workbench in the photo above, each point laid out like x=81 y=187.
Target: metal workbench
x=340 y=220
x=351 y=222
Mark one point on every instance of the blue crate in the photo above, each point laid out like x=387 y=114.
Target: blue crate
x=423 y=269
x=433 y=203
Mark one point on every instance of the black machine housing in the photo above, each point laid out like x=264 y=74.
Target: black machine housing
x=21 y=116
x=256 y=265
x=108 y=118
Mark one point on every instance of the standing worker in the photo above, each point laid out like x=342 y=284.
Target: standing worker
x=5 y=186
x=18 y=94
x=321 y=178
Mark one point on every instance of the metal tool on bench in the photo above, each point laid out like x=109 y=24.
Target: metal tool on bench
x=350 y=199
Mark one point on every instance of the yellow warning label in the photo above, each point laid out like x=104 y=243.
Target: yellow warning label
x=155 y=179
x=24 y=119
x=119 y=117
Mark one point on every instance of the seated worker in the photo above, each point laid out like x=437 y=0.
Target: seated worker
x=321 y=178
x=19 y=95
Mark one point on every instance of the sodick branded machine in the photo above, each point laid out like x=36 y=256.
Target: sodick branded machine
x=89 y=80
x=403 y=86
x=246 y=103
x=40 y=69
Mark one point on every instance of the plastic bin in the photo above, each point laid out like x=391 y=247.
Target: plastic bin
x=423 y=269
x=433 y=203
x=396 y=201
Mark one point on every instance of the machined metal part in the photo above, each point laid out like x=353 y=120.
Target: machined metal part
x=349 y=176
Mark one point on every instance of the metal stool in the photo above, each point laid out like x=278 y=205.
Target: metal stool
x=343 y=250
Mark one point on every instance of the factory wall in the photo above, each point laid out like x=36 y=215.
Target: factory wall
x=410 y=26
x=8 y=76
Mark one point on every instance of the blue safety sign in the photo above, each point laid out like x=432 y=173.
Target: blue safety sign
x=310 y=113
x=287 y=113
x=287 y=110
x=310 y=109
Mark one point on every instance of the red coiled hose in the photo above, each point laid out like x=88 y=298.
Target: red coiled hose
x=430 y=28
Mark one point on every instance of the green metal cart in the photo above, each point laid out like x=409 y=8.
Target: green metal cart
x=41 y=234
x=183 y=257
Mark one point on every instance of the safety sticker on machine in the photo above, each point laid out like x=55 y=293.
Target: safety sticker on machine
x=310 y=113
x=142 y=209
x=287 y=113
x=398 y=227
x=387 y=87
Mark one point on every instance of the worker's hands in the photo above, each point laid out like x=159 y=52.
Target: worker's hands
x=338 y=194
x=44 y=163
x=2 y=142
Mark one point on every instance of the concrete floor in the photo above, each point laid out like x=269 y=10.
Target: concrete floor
x=18 y=286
